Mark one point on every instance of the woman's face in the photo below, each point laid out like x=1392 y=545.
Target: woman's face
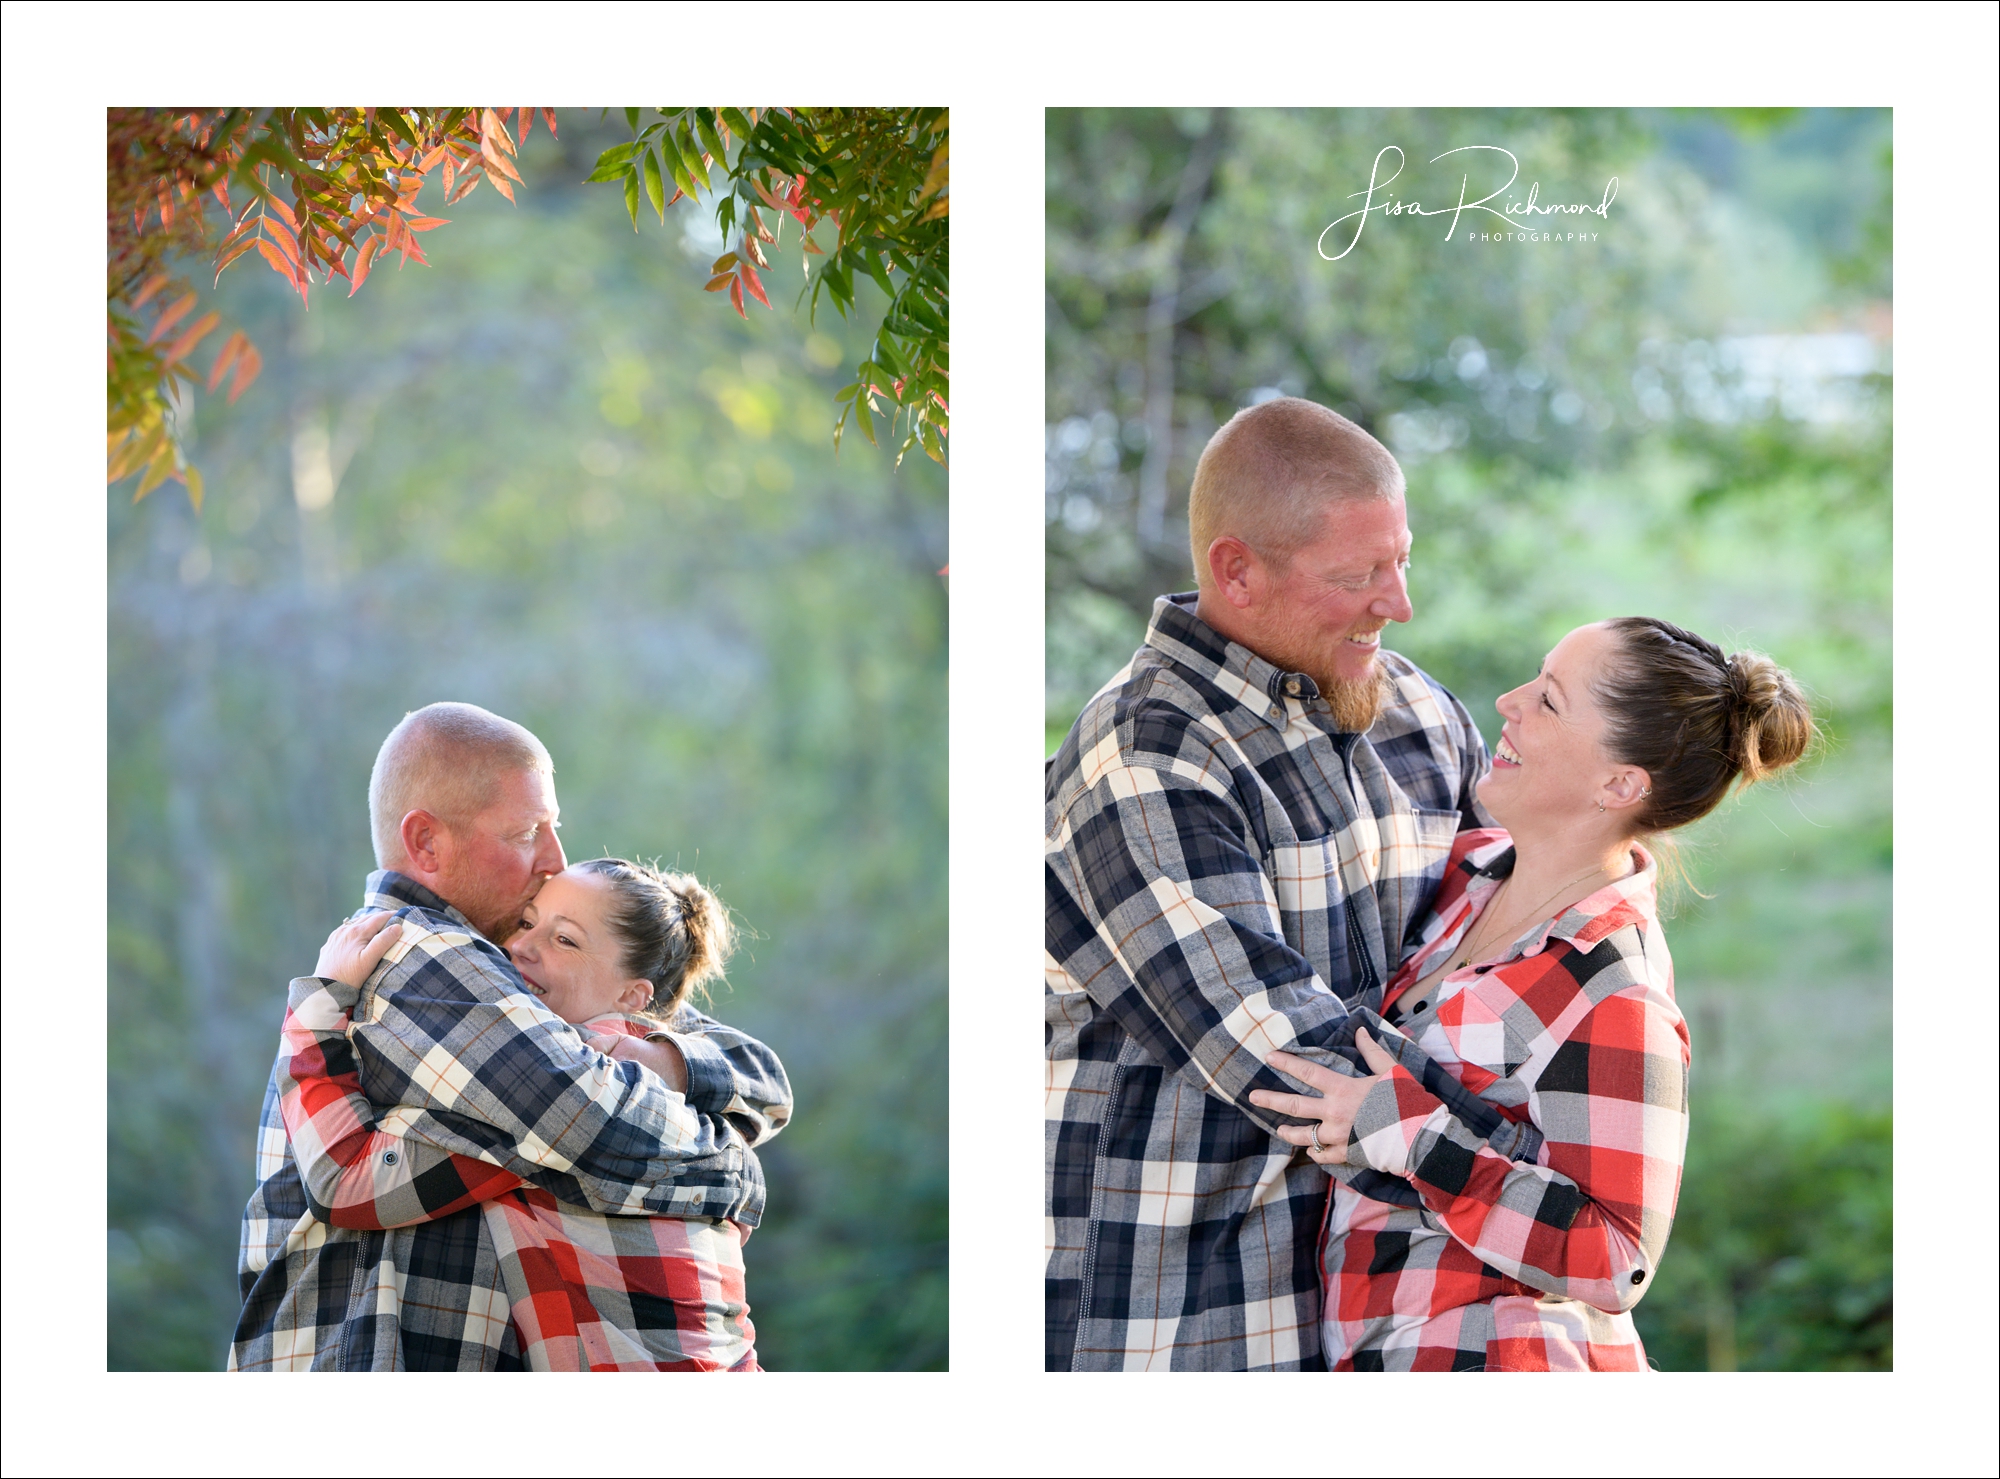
x=568 y=954
x=1550 y=765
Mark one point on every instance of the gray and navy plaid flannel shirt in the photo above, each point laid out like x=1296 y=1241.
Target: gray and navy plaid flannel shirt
x=1227 y=874
x=447 y=1037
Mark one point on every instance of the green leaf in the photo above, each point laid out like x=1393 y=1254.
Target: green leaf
x=632 y=198
x=725 y=215
x=607 y=172
x=691 y=155
x=617 y=154
x=676 y=166
x=656 y=190
x=704 y=121
x=872 y=260
x=738 y=123
x=632 y=119
x=394 y=119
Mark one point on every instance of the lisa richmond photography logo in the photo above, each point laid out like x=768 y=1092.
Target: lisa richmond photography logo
x=1519 y=219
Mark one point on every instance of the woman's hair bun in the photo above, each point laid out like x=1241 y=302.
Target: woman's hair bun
x=1773 y=722
x=676 y=933
x=710 y=935
x=1695 y=721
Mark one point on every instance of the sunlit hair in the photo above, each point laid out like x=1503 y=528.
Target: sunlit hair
x=1266 y=476
x=1694 y=720
x=673 y=931
x=447 y=759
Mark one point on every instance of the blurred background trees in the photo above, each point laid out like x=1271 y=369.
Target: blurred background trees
x=545 y=475
x=1688 y=417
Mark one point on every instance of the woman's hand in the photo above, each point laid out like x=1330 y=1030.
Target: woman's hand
x=1336 y=1104
x=355 y=948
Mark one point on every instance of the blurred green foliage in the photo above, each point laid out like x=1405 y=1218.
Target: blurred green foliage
x=547 y=476
x=1687 y=417
x=1780 y=1259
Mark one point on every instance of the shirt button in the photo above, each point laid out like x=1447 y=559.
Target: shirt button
x=1276 y=712
x=1638 y=1276
x=388 y=1157
x=1292 y=687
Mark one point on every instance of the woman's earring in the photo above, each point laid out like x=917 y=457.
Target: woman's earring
x=1600 y=808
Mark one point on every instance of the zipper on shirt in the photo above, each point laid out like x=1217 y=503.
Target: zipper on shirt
x=1097 y=1200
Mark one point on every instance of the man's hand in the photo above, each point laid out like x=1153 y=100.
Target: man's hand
x=662 y=1057
x=1336 y=1104
x=352 y=951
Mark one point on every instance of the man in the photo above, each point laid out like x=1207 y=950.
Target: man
x=1241 y=828
x=463 y=812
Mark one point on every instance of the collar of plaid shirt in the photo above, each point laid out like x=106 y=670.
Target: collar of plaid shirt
x=1633 y=899
x=1258 y=684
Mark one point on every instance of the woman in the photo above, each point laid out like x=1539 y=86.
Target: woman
x=615 y=948
x=1543 y=986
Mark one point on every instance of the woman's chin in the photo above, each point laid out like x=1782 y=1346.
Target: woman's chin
x=1495 y=791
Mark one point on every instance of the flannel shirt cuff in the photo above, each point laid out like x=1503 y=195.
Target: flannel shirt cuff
x=299 y=999
x=711 y=1081
x=1390 y=1122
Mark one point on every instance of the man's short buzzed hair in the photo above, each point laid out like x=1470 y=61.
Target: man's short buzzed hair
x=447 y=759
x=1265 y=476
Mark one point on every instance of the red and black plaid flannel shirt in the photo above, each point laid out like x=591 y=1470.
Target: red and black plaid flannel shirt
x=481 y=1089
x=1499 y=1264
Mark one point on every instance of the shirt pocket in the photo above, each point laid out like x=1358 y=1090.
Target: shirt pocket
x=1306 y=879
x=1412 y=849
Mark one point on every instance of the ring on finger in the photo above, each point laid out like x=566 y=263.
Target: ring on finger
x=1316 y=1144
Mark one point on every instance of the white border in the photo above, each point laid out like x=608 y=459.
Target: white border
x=997 y=67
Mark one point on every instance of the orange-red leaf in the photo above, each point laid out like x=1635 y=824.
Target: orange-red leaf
x=468 y=182
x=364 y=258
x=284 y=213
x=172 y=316
x=736 y=295
x=151 y=286
x=442 y=151
x=191 y=336
x=248 y=363
x=720 y=281
x=166 y=206
x=226 y=357
x=750 y=281
x=527 y=122
x=493 y=133
x=288 y=243
x=276 y=258
x=425 y=223
x=503 y=187
x=548 y=117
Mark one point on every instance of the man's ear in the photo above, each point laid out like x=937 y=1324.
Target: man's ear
x=1233 y=567
x=425 y=841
